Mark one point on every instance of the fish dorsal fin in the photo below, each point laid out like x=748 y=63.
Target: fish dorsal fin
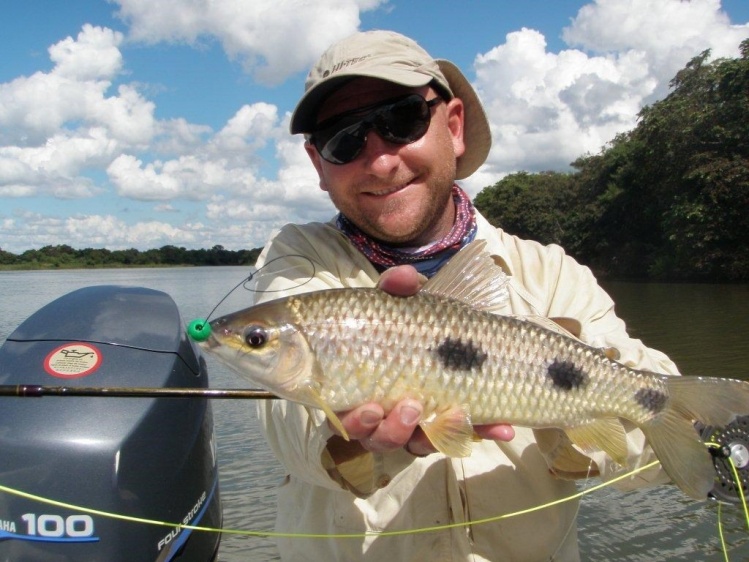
x=472 y=277
x=450 y=431
x=606 y=434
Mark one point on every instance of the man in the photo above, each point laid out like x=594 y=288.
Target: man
x=389 y=130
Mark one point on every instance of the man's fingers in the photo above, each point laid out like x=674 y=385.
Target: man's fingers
x=495 y=432
x=396 y=428
x=382 y=433
x=379 y=432
x=401 y=280
x=360 y=422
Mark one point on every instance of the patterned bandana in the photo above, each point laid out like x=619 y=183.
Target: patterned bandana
x=426 y=260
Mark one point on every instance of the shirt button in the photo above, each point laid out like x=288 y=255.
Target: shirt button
x=383 y=480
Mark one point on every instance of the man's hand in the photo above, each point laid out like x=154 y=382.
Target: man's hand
x=381 y=432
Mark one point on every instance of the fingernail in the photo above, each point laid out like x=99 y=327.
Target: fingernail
x=370 y=417
x=410 y=415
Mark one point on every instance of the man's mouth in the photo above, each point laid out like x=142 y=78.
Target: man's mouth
x=388 y=191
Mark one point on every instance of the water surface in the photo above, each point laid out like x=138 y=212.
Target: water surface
x=702 y=327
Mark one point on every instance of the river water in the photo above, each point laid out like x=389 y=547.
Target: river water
x=702 y=327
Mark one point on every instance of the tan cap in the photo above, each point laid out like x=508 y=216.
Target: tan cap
x=393 y=57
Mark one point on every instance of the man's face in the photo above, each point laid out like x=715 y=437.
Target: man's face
x=397 y=193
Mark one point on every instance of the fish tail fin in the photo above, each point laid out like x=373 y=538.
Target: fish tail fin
x=673 y=437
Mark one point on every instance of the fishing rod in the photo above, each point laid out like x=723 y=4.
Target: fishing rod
x=38 y=391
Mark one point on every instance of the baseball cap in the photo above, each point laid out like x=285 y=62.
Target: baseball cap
x=396 y=58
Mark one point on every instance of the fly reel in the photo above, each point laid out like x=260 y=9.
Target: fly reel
x=730 y=445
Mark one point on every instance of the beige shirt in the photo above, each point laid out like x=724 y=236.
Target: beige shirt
x=397 y=491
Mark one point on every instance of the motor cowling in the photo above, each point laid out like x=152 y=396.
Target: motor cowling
x=80 y=474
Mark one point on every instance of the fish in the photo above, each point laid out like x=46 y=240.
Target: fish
x=450 y=349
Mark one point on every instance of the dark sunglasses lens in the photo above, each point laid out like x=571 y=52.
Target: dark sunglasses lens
x=404 y=121
x=343 y=146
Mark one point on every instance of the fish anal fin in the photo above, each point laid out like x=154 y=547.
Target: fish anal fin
x=450 y=431
x=606 y=434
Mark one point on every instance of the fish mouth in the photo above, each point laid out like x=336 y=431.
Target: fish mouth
x=210 y=343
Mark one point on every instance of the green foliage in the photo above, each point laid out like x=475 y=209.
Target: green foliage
x=529 y=205
x=63 y=256
x=668 y=200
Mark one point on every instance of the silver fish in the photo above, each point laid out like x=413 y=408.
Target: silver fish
x=340 y=348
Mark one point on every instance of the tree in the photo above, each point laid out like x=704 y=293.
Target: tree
x=697 y=142
x=529 y=205
x=670 y=199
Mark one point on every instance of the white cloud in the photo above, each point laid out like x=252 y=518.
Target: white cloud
x=666 y=32
x=294 y=196
x=273 y=38
x=226 y=162
x=145 y=183
x=92 y=56
x=57 y=124
x=178 y=136
x=547 y=109
x=92 y=231
x=37 y=106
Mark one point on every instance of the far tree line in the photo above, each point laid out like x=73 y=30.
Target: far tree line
x=668 y=200
x=64 y=256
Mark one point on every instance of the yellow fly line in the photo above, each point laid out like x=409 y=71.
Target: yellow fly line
x=272 y=534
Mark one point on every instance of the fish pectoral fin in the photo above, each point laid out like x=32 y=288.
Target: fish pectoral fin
x=450 y=431
x=606 y=434
x=312 y=396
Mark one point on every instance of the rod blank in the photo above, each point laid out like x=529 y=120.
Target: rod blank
x=38 y=391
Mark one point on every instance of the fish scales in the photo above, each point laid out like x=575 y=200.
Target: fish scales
x=376 y=347
x=448 y=348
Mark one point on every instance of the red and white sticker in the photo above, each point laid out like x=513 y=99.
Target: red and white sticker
x=73 y=360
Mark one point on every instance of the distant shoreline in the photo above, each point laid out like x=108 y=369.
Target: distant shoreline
x=66 y=257
x=56 y=267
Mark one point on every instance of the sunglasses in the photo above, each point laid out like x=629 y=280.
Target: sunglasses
x=340 y=140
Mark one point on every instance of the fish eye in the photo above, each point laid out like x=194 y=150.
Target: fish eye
x=256 y=336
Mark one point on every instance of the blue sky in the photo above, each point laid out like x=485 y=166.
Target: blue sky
x=134 y=123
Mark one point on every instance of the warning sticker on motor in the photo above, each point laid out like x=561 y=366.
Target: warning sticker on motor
x=73 y=360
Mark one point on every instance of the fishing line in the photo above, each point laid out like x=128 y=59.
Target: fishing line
x=723 y=546
x=738 y=481
x=200 y=330
x=273 y=534
x=422 y=530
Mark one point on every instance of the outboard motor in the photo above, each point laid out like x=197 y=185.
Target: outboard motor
x=70 y=466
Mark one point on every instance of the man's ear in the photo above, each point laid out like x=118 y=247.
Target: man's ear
x=455 y=124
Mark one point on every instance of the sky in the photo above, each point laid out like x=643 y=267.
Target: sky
x=141 y=123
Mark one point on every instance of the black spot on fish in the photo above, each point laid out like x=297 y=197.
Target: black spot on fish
x=651 y=399
x=566 y=375
x=463 y=356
